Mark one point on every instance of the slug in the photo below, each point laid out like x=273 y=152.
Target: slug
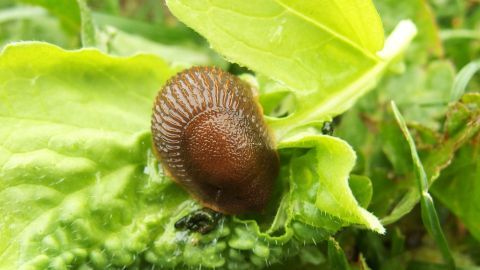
x=208 y=132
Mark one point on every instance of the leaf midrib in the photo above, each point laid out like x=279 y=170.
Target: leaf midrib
x=330 y=31
x=297 y=14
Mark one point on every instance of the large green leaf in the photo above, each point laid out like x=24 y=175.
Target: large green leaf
x=79 y=186
x=277 y=40
x=74 y=132
x=354 y=21
x=324 y=61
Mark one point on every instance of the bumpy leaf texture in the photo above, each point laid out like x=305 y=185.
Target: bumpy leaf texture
x=80 y=187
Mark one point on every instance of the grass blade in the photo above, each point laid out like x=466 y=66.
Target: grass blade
x=450 y=34
x=87 y=26
x=429 y=214
x=463 y=78
x=17 y=13
x=336 y=256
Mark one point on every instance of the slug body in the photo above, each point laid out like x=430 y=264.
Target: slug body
x=209 y=133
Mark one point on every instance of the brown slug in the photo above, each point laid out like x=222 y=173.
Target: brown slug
x=209 y=134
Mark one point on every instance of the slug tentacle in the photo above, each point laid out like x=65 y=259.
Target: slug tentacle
x=209 y=133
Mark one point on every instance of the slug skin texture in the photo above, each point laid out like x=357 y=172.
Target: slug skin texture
x=209 y=134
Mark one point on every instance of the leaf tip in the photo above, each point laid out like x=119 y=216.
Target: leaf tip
x=373 y=223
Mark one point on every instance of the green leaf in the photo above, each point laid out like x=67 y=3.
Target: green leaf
x=458 y=185
x=74 y=15
x=361 y=25
x=460 y=127
x=76 y=144
x=67 y=11
x=319 y=184
x=336 y=256
x=463 y=78
x=266 y=39
x=297 y=46
x=80 y=188
x=124 y=44
x=422 y=92
x=362 y=189
x=75 y=133
x=429 y=214
x=33 y=23
x=363 y=263
x=162 y=33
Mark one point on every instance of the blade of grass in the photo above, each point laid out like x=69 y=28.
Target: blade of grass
x=17 y=13
x=155 y=32
x=449 y=34
x=336 y=256
x=66 y=11
x=429 y=214
x=363 y=263
x=398 y=242
x=87 y=26
x=463 y=78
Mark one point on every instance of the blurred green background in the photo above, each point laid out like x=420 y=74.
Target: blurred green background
x=446 y=48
